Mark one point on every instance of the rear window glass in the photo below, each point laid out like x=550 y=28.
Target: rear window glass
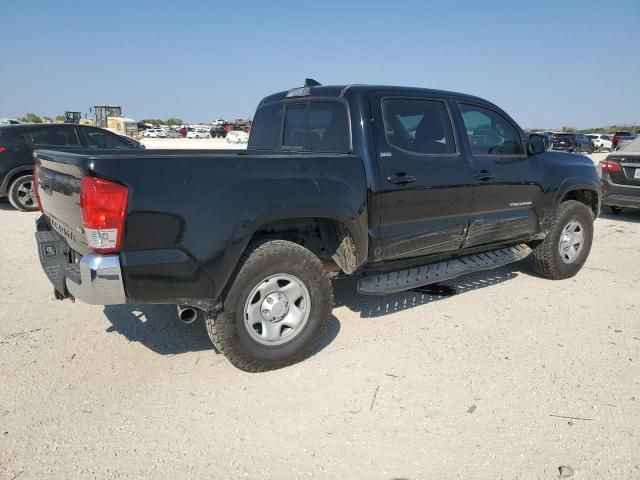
x=564 y=136
x=61 y=137
x=265 y=130
x=318 y=126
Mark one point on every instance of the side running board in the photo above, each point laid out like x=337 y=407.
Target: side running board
x=393 y=282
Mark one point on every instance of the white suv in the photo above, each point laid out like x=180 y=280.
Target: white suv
x=601 y=142
x=198 y=133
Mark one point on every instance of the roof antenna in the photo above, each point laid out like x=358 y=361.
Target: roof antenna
x=310 y=82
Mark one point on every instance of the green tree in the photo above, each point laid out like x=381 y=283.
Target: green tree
x=60 y=118
x=174 y=121
x=568 y=129
x=31 y=118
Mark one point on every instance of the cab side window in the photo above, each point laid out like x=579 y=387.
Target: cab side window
x=418 y=126
x=98 y=139
x=489 y=132
x=56 y=136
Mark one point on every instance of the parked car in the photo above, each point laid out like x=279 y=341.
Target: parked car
x=436 y=185
x=600 y=141
x=572 y=142
x=618 y=136
x=152 y=132
x=182 y=131
x=17 y=143
x=620 y=175
x=198 y=133
x=237 y=136
x=167 y=133
x=218 y=131
x=624 y=141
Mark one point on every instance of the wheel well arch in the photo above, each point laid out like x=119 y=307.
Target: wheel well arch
x=328 y=238
x=12 y=175
x=584 y=195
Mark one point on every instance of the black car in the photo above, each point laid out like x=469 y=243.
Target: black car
x=433 y=185
x=620 y=177
x=573 y=142
x=17 y=143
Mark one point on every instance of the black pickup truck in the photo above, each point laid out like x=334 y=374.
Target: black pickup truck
x=400 y=186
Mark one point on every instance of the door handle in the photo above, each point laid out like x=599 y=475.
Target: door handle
x=401 y=178
x=484 y=175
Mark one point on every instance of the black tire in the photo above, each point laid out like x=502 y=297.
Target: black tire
x=546 y=260
x=614 y=210
x=228 y=330
x=21 y=194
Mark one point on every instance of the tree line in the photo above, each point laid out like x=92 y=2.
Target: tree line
x=34 y=118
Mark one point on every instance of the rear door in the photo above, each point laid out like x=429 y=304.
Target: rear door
x=426 y=183
x=506 y=182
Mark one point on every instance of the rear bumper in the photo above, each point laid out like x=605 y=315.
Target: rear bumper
x=626 y=196
x=94 y=279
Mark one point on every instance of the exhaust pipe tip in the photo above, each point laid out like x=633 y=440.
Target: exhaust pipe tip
x=187 y=314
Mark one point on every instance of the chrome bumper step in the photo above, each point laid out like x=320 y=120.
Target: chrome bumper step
x=393 y=282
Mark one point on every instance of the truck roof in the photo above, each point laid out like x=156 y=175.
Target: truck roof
x=358 y=89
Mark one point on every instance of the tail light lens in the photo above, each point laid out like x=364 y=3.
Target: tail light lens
x=609 y=166
x=36 y=192
x=3 y=149
x=103 y=205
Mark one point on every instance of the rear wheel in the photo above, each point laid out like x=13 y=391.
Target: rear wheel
x=276 y=309
x=566 y=247
x=22 y=194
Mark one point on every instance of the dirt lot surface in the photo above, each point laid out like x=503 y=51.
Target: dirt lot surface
x=512 y=377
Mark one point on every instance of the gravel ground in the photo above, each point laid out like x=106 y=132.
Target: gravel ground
x=512 y=377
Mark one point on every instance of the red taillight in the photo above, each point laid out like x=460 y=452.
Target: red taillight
x=36 y=192
x=3 y=149
x=103 y=205
x=609 y=166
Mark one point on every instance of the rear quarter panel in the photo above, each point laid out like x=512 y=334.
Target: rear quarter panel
x=192 y=215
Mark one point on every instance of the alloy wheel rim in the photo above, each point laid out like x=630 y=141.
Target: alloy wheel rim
x=571 y=241
x=26 y=194
x=277 y=309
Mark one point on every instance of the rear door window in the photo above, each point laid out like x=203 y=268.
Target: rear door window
x=489 y=132
x=98 y=139
x=418 y=126
x=58 y=136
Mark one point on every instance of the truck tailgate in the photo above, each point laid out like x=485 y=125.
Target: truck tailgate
x=58 y=179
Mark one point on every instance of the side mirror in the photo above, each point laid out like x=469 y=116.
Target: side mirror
x=538 y=144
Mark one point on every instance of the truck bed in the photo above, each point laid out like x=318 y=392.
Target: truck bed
x=190 y=214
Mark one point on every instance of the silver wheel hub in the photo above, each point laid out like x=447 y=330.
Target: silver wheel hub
x=277 y=309
x=571 y=241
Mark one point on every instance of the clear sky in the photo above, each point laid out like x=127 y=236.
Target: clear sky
x=547 y=63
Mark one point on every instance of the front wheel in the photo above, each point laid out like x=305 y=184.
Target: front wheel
x=22 y=194
x=567 y=245
x=276 y=310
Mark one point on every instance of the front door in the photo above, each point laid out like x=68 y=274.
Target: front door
x=426 y=184
x=507 y=182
